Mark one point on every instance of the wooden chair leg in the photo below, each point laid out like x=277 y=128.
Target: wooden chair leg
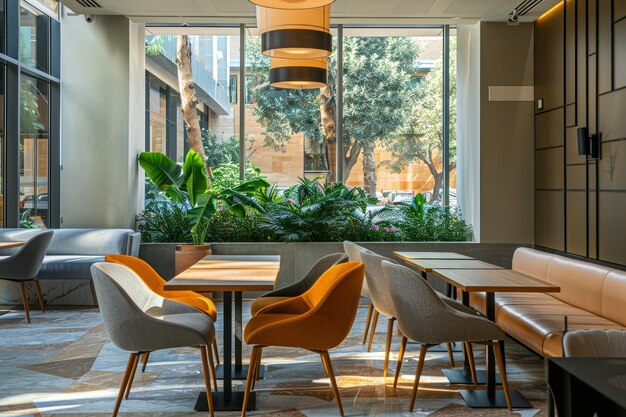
x=470 y=359
x=25 y=300
x=388 y=345
x=400 y=359
x=328 y=366
x=216 y=352
x=257 y=367
x=373 y=330
x=212 y=367
x=40 y=296
x=132 y=376
x=144 y=361
x=127 y=372
x=249 y=379
x=418 y=374
x=367 y=322
x=505 y=384
x=93 y=293
x=207 y=380
x=450 y=354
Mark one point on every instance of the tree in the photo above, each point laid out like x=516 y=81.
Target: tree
x=377 y=89
x=422 y=139
x=187 y=89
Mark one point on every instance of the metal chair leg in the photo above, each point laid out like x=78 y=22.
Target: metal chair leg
x=25 y=300
x=418 y=374
x=373 y=331
x=400 y=359
x=328 y=366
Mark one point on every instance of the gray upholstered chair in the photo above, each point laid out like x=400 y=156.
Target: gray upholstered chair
x=300 y=287
x=354 y=255
x=140 y=321
x=425 y=318
x=23 y=266
x=595 y=343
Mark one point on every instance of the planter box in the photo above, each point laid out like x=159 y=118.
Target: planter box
x=298 y=257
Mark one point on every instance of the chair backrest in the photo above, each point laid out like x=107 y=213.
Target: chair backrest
x=417 y=306
x=335 y=298
x=595 y=343
x=377 y=282
x=26 y=262
x=354 y=254
x=321 y=266
x=140 y=267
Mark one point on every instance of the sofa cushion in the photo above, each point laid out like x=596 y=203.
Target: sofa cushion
x=67 y=266
x=531 y=262
x=614 y=297
x=478 y=300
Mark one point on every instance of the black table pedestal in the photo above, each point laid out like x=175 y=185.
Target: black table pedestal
x=219 y=404
x=240 y=374
x=482 y=399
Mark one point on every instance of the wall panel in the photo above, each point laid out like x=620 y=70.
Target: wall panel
x=549 y=219
x=612 y=110
x=577 y=223
x=612 y=172
x=619 y=7
x=549 y=169
x=549 y=129
x=612 y=227
x=620 y=54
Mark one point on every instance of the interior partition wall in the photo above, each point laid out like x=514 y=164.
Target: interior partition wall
x=581 y=83
x=29 y=115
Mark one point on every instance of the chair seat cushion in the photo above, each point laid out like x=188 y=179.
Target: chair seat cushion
x=262 y=302
x=67 y=266
x=540 y=326
x=197 y=301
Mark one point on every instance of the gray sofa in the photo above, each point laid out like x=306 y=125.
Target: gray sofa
x=72 y=251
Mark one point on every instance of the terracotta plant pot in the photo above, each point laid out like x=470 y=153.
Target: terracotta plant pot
x=188 y=255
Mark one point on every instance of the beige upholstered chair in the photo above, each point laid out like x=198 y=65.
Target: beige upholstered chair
x=140 y=321
x=354 y=255
x=423 y=317
x=595 y=343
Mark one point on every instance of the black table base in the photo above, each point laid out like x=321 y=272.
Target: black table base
x=235 y=403
x=481 y=399
x=240 y=374
x=463 y=376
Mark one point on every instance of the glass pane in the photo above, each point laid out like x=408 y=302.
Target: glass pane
x=2 y=81
x=34 y=28
x=393 y=105
x=158 y=112
x=34 y=112
x=286 y=133
x=452 y=123
x=2 y=27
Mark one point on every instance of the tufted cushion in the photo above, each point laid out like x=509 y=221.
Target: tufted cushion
x=614 y=297
x=67 y=266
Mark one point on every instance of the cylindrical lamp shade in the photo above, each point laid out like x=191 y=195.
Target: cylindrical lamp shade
x=298 y=73
x=295 y=34
x=292 y=4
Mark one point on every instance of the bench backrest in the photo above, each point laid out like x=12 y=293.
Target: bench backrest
x=88 y=242
x=594 y=288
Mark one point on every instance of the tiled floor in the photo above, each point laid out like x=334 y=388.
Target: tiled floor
x=64 y=365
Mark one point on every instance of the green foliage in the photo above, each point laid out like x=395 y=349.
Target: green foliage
x=228 y=227
x=227 y=175
x=437 y=224
x=220 y=151
x=415 y=207
x=164 y=221
x=26 y=222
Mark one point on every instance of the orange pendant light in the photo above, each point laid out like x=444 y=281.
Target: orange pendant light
x=295 y=34
x=292 y=4
x=299 y=73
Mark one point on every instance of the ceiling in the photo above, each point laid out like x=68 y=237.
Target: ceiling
x=343 y=11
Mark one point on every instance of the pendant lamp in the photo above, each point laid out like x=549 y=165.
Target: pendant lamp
x=292 y=4
x=295 y=34
x=298 y=73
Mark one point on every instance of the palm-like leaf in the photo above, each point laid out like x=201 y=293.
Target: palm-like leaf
x=166 y=174
x=195 y=177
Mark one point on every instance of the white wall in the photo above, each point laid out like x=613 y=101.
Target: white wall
x=102 y=121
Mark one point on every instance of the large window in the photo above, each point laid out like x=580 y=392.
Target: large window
x=29 y=115
x=397 y=136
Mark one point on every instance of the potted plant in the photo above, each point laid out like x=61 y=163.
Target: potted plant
x=190 y=187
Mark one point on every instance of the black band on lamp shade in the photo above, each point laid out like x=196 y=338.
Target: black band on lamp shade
x=303 y=43
x=292 y=4
x=298 y=77
x=582 y=139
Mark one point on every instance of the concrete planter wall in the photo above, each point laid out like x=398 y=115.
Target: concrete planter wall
x=297 y=258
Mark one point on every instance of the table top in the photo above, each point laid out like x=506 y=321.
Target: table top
x=496 y=280
x=428 y=265
x=429 y=255
x=606 y=376
x=228 y=273
x=7 y=245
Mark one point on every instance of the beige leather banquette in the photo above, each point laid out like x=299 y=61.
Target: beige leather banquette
x=592 y=297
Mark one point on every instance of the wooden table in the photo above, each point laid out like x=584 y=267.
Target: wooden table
x=490 y=282
x=229 y=274
x=405 y=256
x=7 y=245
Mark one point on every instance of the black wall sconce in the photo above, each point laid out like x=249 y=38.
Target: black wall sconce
x=588 y=145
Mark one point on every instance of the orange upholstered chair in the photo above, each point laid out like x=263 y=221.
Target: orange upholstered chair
x=318 y=320
x=154 y=281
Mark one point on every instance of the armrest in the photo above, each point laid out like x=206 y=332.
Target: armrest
x=295 y=305
x=132 y=245
x=169 y=307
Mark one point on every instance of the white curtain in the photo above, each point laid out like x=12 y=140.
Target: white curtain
x=468 y=124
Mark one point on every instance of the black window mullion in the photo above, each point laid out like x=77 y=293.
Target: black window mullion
x=12 y=25
x=12 y=146
x=54 y=158
x=55 y=48
x=171 y=99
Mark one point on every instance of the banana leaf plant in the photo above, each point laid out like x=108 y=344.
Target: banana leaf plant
x=416 y=206
x=190 y=186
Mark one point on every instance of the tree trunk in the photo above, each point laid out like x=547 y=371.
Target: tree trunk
x=326 y=102
x=438 y=186
x=188 y=98
x=369 y=170
x=350 y=158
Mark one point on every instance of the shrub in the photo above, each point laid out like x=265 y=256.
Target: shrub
x=164 y=221
x=437 y=223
